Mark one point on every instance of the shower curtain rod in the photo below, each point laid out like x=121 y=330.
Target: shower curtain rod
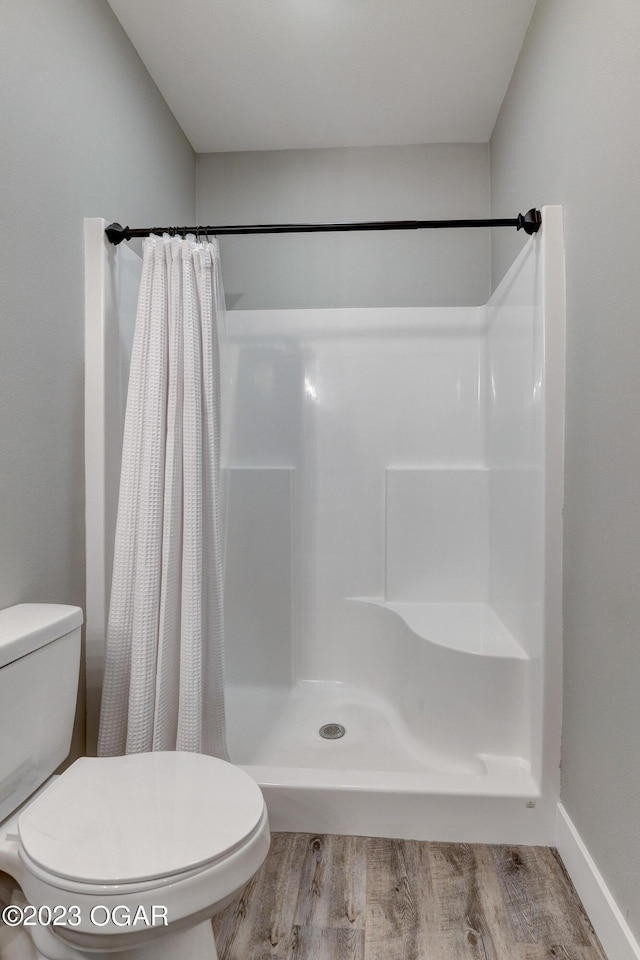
x=530 y=222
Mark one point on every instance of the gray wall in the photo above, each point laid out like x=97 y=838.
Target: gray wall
x=409 y=268
x=569 y=133
x=84 y=132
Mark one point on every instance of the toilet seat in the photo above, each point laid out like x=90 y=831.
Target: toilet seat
x=190 y=811
x=159 y=885
x=187 y=897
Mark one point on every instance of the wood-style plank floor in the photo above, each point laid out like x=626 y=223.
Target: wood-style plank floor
x=361 y=898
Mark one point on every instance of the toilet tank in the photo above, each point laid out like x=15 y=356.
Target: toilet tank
x=39 y=664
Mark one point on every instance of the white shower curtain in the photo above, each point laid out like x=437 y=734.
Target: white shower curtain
x=164 y=674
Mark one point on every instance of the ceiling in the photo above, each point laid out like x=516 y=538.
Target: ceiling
x=284 y=74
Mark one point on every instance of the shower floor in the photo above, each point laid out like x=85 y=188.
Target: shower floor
x=281 y=728
x=276 y=728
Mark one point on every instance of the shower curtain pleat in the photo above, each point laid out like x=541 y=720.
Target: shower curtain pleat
x=164 y=673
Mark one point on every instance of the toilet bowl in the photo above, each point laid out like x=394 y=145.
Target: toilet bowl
x=127 y=857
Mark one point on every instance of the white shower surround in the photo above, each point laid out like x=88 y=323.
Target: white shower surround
x=394 y=559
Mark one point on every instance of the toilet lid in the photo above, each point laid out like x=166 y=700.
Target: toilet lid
x=147 y=815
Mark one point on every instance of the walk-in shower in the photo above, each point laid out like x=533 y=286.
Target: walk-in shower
x=393 y=550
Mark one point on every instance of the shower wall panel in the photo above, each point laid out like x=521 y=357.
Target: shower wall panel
x=339 y=397
x=525 y=440
x=515 y=455
x=437 y=531
x=259 y=577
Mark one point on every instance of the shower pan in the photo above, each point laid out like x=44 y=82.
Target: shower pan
x=393 y=558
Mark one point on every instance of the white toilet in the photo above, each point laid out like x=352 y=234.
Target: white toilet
x=129 y=857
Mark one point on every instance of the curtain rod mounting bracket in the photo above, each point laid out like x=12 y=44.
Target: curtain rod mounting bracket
x=117 y=233
x=530 y=222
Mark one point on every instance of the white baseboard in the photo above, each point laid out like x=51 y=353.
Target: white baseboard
x=611 y=927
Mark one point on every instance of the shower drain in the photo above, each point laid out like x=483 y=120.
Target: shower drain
x=332 y=731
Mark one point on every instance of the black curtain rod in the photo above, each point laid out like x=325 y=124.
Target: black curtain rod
x=530 y=222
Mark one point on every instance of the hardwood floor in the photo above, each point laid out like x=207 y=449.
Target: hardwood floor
x=362 y=898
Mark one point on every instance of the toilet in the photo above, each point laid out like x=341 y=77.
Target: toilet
x=127 y=857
